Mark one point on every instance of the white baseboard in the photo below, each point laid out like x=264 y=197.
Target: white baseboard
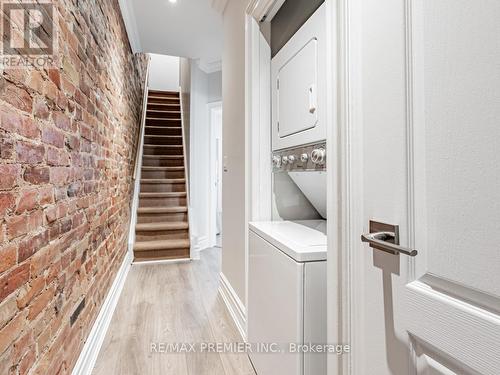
x=234 y=305
x=163 y=261
x=199 y=243
x=88 y=356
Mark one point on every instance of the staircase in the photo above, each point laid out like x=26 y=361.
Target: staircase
x=162 y=229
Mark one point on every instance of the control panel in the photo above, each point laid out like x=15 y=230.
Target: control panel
x=302 y=158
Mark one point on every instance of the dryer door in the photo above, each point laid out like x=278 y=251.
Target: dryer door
x=297 y=91
x=299 y=88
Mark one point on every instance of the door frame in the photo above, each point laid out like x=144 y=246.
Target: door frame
x=213 y=192
x=341 y=206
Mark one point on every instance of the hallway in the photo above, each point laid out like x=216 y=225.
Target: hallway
x=177 y=303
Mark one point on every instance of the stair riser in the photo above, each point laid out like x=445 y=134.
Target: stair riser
x=162 y=130
x=162 y=235
x=150 y=140
x=161 y=174
x=162 y=202
x=161 y=254
x=169 y=115
x=150 y=162
x=155 y=103
x=163 y=188
x=174 y=122
x=172 y=107
x=160 y=218
x=153 y=150
x=163 y=94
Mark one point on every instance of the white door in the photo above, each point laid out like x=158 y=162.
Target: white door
x=425 y=154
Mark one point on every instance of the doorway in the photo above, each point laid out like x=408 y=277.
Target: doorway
x=215 y=205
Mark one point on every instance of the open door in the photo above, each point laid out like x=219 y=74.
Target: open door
x=425 y=156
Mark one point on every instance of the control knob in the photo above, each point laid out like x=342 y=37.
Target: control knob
x=277 y=161
x=318 y=156
x=284 y=160
x=304 y=158
x=292 y=159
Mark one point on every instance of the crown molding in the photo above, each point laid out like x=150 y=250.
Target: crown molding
x=211 y=67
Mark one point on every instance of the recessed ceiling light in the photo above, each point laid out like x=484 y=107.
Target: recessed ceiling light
x=172 y=1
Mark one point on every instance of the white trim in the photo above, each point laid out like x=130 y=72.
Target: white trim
x=138 y=165
x=234 y=305
x=163 y=261
x=212 y=175
x=88 y=356
x=264 y=10
x=257 y=131
x=130 y=22
x=212 y=67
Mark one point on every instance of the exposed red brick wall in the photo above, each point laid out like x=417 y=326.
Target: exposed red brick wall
x=67 y=148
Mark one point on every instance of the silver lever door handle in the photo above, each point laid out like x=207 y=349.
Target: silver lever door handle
x=386 y=240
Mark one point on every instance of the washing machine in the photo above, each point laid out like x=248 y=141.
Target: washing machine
x=287 y=296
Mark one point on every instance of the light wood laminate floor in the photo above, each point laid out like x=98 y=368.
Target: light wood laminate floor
x=171 y=303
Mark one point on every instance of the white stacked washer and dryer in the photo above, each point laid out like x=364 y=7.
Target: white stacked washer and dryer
x=287 y=256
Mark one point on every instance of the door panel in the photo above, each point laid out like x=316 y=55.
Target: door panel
x=429 y=110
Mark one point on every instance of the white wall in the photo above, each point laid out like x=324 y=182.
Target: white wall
x=164 y=73
x=233 y=179
x=215 y=86
x=205 y=88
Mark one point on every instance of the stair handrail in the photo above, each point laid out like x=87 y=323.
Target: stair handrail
x=136 y=178
x=186 y=170
x=140 y=145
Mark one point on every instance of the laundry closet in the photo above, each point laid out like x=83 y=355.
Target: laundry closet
x=287 y=279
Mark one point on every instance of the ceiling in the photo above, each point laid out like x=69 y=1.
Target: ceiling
x=187 y=28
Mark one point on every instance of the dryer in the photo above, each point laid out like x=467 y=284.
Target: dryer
x=298 y=73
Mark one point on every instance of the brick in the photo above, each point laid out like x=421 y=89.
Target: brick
x=61 y=121
x=73 y=142
x=27 y=362
x=12 y=280
x=40 y=109
x=12 y=331
x=30 y=246
x=10 y=121
x=8 y=309
x=8 y=257
x=46 y=195
x=53 y=137
x=41 y=260
x=55 y=77
x=57 y=157
x=50 y=90
x=29 y=153
x=40 y=303
x=34 y=289
x=16 y=96
x=28 y=201
x=36 y=81
x=59 y=175
x=6 y=149
x=10 y=174
x=7 y=202
x=17 y=226
x=29 y=129
x=37 y=175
